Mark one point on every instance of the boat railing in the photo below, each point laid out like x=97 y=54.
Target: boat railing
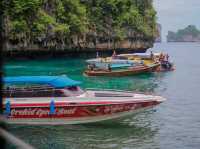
x=30 y=89
x=100 y=89
x=40 y=92
x=26 y=88
x=124 y=91
x=29 y=92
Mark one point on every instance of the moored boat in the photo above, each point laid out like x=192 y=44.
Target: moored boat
x=58 y=100
x=105 y=63
x=109 y=60
x=123 y=72
x=151 y=58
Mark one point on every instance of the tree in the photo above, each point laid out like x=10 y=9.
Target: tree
x=71 y=22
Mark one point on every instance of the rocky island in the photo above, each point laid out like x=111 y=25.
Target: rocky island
x=78 y=25
x=188 y=34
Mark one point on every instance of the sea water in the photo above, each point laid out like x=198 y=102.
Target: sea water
x=175 y=124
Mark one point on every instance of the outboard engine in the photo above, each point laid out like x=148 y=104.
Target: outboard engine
x=166 y=65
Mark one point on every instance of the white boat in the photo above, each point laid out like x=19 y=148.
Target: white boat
x=59 y=100
x=139 y=55
x=165 y=64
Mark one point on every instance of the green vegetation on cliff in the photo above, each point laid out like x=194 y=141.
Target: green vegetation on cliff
x=76 y=23
x=188 y=34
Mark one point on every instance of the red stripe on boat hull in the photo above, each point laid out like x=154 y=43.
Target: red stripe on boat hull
x=75 y=111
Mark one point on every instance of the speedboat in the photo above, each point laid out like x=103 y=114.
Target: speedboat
x=58 y=100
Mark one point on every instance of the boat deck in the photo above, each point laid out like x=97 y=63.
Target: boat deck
x=89 y=96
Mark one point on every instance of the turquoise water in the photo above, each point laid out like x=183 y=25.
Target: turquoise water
x=174 y=124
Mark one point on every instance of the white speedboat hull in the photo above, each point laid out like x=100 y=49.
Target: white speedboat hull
x=77 y=110
x=65 y=121
x=60 y=101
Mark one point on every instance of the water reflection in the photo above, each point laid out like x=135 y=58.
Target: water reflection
x=138 y=131
x=74 y=69
x=132 y=132
x=175 y=124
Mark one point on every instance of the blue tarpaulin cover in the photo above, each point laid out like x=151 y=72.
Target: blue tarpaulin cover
x=120 y=65
x=55 y=81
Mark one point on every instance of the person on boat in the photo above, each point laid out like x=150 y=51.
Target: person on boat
x=91 y=67
x=109 y=67
x=114 y=55
x=152 y=55
x=141 y=62
x=161 y=57
x=167 y=57
x=97 y=54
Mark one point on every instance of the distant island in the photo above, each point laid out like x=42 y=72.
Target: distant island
x=188 y=34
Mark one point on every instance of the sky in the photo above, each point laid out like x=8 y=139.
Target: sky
x=177 y=14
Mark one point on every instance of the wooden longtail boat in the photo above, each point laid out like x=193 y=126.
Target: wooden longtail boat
x=165 y=65
x=123 y=72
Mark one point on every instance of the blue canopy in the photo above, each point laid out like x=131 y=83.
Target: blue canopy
x=55 y=81
x=121 y=65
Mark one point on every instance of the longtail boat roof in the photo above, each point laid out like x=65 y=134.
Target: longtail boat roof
x=55 y=81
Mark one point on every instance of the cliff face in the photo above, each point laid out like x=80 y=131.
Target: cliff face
x=189 y=34
x=159 y=33
x=79 y=24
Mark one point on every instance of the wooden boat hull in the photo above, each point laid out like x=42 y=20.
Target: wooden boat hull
x=123 y=72
x=160 y=69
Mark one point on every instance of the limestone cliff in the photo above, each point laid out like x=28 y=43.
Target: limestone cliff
x=79 y=24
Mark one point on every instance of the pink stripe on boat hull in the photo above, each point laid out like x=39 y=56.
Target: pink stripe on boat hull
x=76 y=111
